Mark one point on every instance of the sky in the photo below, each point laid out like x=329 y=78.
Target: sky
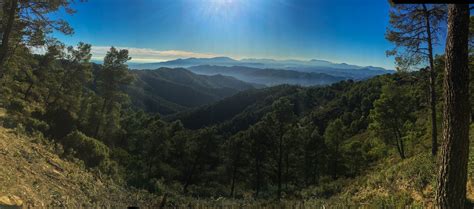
x=349 y=31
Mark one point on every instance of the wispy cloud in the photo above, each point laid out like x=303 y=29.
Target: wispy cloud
x=149 y=55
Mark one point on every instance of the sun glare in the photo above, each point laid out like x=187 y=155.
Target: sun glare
x=222 y=3
x=221 y=8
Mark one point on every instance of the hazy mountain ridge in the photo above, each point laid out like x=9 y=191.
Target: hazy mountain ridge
x=269 y=77
x=252 y=62
x=348 y=71
x=357 y=74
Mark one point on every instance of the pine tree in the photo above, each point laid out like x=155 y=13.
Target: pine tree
x=29 y=23
x=414 y=29
x=333 y=138
x=111 y=79
x=392 y=114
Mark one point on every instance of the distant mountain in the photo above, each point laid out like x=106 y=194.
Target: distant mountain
x=356 y=74
x=269 y=77
x=194 y=61
x=169 y=91
x=312 y=66
x=222 y=61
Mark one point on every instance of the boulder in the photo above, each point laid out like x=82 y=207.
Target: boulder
x=10 y=202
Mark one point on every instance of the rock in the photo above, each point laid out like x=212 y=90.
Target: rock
x=10 y=201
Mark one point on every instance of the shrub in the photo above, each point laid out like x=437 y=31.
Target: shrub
x=90 y=150
x=19 y=117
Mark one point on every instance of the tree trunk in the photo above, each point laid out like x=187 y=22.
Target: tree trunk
x=451 y=191
x=235 y=169
x=163 y=201
x=189 y=177
x=28 y=91
x=99 y=120
x=434 y=130
x=280 y=165
x=232 y=186
x=257 y=170
x=335 y=162
x=400 y=146
x=12 y=10
x=287 y=168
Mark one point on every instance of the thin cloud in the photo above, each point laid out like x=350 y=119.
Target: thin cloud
x=149 y=55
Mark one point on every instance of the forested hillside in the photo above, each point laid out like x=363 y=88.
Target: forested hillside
x=168 y=91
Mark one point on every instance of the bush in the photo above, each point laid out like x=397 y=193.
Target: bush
x=90 y=150
x=61 y=122
x=16 y=106
x=19 y=117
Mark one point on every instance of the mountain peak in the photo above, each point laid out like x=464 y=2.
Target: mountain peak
x=222 y=59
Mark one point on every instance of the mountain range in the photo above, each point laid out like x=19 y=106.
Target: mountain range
x=183 y=84
x=312 y=66
x=269 y=77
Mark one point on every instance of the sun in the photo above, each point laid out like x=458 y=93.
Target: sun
x=221 y=8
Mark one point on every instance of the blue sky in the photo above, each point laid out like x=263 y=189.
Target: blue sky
x=350 y=31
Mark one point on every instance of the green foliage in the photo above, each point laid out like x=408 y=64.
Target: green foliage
x=28 y=23
x=90 y=150
x=393 y=115
x=333 y=137
x=237 y=112
x=410 y=34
